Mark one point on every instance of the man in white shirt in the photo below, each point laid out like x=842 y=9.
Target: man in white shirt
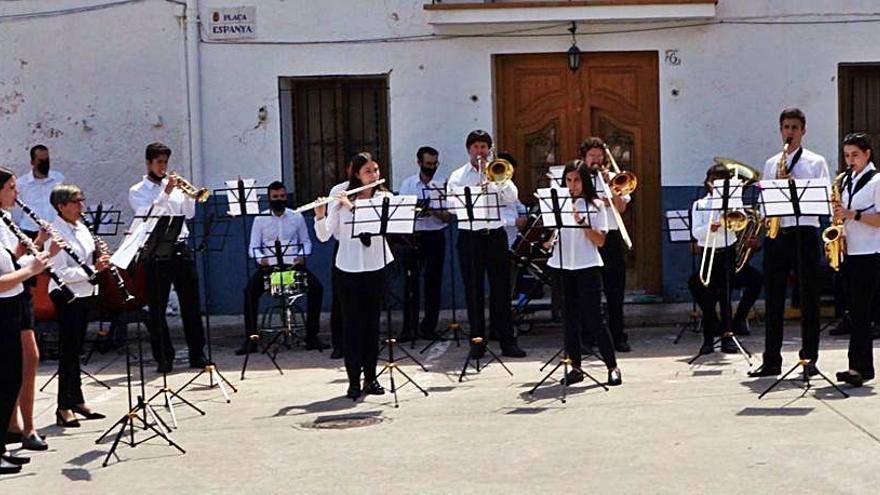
x=34 y=189
x=796 y=247
x=158 y=194
x=430 y=247
x=483 y=251
x=284 y=225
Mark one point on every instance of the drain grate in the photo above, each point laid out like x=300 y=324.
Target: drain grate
x=344 y=422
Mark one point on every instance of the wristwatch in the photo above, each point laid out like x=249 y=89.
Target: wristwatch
x=858 y=216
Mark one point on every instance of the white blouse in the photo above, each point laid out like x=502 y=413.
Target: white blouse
x=80 y=240
x=861 y=238
x=353 y=255
x=577 y=250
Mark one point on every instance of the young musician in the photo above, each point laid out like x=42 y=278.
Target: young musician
x=361 y=277
x=430 y=242
x=289 y=229
x=73 y=318
x=158 y=194
x=483 y=250
x=14 y=313
x=592 y=152
x=796 y=247
x=576 y=257
x=860 y=200
x=706 y=228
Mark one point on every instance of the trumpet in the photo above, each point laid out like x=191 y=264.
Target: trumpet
x=200 y=195
x=775 y=223
x=834 y=236
x=319 y=202
x=734 y=220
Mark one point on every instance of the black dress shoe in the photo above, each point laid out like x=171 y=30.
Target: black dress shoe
x=15 y=460
x=513 y=350
x=60 y=421
x=13 y=437
x=740 y=327
x=8 y=468
x=614 y=377
x=164 y=367
x=765 y=370
x=337 y=354
x=853 y=379
x=728 y=346
x=573 y=376
x=374 y=388
x=34 y=442
x=707 y=348
x=315 y=344
x=622 y=346
x=354 y=391
x=248 y=347
x=477 y=351
x=198 y=360
x=88 y=414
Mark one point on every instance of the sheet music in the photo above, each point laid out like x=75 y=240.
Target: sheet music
x=368 y=215
x=555 y=174
x=813 y=197
x=251 y=199
x=486 y=205
x=567 y=207
x=734 y=195
x=678 y=225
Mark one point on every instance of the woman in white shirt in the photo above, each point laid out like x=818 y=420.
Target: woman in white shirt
x=576 y=257
x=67 y=199
x=12 y=320
x=860 y=199
x=361 y=263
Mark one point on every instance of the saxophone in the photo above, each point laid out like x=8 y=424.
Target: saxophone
x=774 y=223
x=834 y=236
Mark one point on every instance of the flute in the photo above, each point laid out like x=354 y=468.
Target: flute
x=34 y=250
x=317 y=203
x=103 y=249
x=43 y=224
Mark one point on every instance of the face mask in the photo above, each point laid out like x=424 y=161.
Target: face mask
x=43 y=167
x=157 y=178
x=278 y=204
x=428 y=172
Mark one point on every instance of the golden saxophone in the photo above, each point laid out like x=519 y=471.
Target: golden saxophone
x=834 y=236
x=774 y=223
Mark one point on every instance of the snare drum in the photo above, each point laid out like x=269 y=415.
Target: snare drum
x=287 y=282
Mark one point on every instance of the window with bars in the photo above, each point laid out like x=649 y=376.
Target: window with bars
x=332 y=119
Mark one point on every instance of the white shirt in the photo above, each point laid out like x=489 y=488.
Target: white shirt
x=341 y=187
x=289 y=228
x=7 y=266
x=353 y=255
x=467 y=175
x=809 y=166
x=8 y=245
x=80 y=240
x=35 y=193
x=861 y=238
x=511 y=214
x=700 y=216
x=413 y=186
x=598 y=182
x=577 y=250
x=146 y=194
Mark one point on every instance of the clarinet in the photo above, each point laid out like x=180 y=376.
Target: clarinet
x=103 y=248
x=34 y=250
x=90 y=273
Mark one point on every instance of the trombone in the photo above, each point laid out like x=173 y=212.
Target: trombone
x=733 y=220
x=621 y=184
x=497 y=170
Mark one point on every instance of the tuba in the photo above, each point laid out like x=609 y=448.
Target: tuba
x=200 y=195
x=834 y=236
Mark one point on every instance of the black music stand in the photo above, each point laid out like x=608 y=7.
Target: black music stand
x=476 y=205
x=726 y=196
x=556 y=213
x=159 y=246
x=212 y=239
x=279 y=254
x=678 y=231
x=437 y=202
x=377 y=217
x=796 y=197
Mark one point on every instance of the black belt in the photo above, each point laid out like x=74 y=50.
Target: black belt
x=795 y=228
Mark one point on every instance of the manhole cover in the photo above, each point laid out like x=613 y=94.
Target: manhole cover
x=344 y=422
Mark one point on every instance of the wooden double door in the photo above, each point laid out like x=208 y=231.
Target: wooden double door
x=544 y=111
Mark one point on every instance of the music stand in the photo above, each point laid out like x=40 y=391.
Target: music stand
x=377 y=217
x=726 y=196
x=282 y=256
x=557 y=206
x=437 y=198
x=212 y=239
x=796 y=197
x=477 y=206
x=159 y=246
x=678 y=231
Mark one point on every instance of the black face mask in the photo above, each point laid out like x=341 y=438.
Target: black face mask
x=428 y=172
x=278 y=205
x=43 y=167
x=157 y=178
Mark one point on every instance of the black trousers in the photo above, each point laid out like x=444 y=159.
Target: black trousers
x=614 y=282
x=10 y=360
x=582 y=307
x=73 y=321
x=427 y=259
x=796 y=248
x=484 y=253
x=861 y=273
x=715 y=295
x=751 y=281
x=179 y=270
x=256 y=287
x=336 y=337
x=361 y=294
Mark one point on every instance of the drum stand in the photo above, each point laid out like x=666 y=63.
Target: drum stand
x=286 y=331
